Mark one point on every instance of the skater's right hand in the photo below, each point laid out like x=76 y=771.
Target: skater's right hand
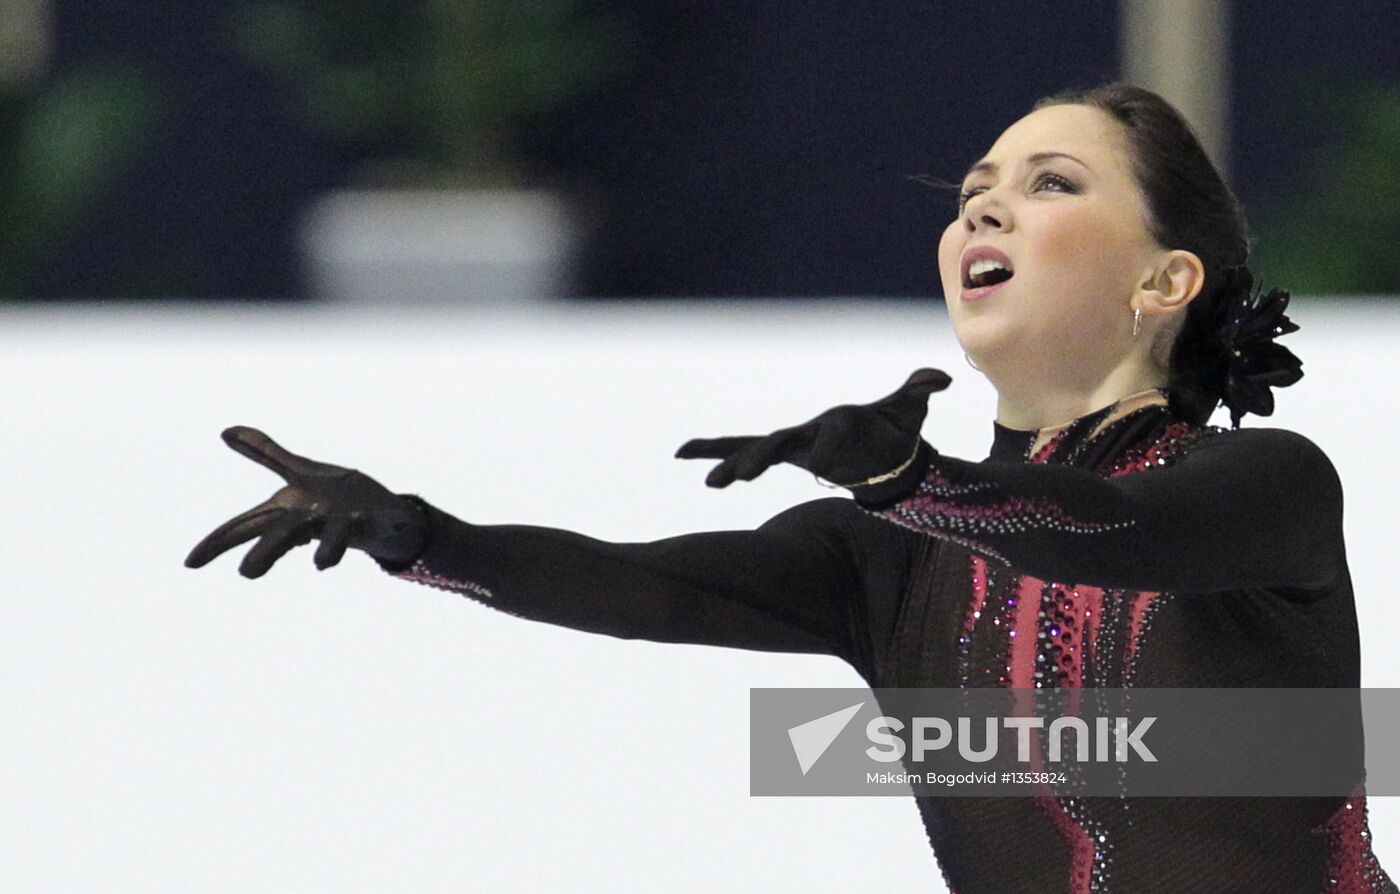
x=341 y=507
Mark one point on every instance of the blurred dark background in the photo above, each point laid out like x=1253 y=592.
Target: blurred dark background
x=162 y=149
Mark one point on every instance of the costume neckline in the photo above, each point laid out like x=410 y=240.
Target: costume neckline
x=1016 y=443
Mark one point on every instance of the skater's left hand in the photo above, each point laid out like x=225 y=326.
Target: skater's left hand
x=874 y=450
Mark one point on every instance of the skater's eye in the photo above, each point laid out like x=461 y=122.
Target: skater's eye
x=964 y=196
x=1060 y=183
x=1046 y=179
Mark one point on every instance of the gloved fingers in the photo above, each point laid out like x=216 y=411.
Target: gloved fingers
x=908 y=405
x=237 y=530
x=266 y=452
x=920 y=384
x=335 y=538
x=715 y=448
x=293 y=531
x=923 y=382
x=755 y=458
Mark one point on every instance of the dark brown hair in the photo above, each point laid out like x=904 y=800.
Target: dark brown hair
x=1190 y=208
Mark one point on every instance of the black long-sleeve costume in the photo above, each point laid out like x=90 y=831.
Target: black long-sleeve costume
x=1151 y=552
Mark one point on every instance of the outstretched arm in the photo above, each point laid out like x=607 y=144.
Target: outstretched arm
x=791 y=585
x=1241 y=508
x=794 y=584
x=1244 y=508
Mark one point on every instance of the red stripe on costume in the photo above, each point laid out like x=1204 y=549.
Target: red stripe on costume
x=1093 y=612
x=979 y=594
x=1079 y=842
x=1351 y=866
x=1021 y=652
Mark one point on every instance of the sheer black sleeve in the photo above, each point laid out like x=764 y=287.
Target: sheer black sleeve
x=1239 y=508
x=794 y=584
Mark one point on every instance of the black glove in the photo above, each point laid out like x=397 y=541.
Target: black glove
x=341 y=507
x=847 y=445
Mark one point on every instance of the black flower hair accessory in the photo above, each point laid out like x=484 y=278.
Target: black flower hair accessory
x=1246 y=322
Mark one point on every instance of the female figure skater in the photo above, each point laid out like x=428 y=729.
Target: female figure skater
x=1095 y=271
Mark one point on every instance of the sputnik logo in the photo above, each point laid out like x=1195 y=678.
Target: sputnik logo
x=810 y=740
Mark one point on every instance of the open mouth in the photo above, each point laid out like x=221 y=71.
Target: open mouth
x=986 y=272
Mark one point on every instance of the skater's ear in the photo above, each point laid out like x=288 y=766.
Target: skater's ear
x=1169 y=285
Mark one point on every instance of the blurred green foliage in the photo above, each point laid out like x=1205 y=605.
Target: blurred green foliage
x=1334 y=230
x=437 y=89
x=63 y=138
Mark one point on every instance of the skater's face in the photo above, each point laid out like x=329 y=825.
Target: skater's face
x=1056 y=196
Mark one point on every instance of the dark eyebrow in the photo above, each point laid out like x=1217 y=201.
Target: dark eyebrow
x=991 y=168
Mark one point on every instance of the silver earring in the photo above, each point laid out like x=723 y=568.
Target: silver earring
x=970 y=363
x=1137 y=320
